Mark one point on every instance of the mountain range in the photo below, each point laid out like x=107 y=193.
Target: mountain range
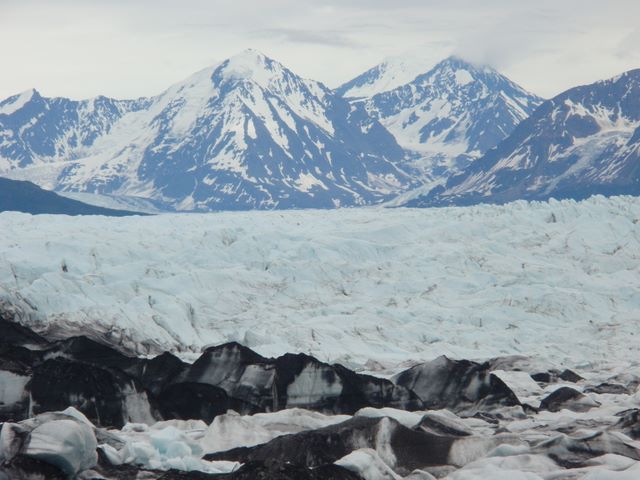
x=248 y=133
x=583 y=142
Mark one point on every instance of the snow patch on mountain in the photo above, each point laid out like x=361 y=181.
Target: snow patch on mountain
x=393 y=72
x=463 y=77
x=15 y=103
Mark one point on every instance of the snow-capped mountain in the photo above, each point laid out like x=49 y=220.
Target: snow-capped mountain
x=452 y=114
x=391 y=73
x=585 y=141
x=247 y=133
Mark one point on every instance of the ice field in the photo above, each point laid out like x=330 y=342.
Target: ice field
x=372 y=288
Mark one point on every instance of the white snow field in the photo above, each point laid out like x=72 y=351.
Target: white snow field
x=372 y=288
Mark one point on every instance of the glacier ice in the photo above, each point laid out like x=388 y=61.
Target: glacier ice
x=389 y=285
x=67 y=444
x=367 y=463
x=64 y=439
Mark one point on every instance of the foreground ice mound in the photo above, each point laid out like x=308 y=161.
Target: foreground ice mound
x=64 y=443
x=371 y=445
x=367 y=463
x=232 y=430
x=65 y=440
x=167 y=445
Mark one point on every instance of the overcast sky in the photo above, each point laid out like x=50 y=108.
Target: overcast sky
x=131 y=48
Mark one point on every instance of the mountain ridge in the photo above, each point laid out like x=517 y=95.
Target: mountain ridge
x=248 y=133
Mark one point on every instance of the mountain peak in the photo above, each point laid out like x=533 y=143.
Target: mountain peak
x=392 y=72
x=582 y=142
x=250 y=64
x=456 y=61
x=632 y=76
x=244 y=133
x=251 y=55
x=455 y=69
x=452 y=114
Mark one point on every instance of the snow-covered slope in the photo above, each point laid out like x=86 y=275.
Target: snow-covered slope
x=247 y=133
x=452 y=114
x=583 y=142
x=557 y=280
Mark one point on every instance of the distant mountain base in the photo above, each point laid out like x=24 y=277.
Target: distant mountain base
x=120 y=202
x=22 y=196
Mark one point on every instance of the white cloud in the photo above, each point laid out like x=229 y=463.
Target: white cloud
x=134 y=48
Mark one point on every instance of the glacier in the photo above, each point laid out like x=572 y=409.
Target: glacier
x=373 y=288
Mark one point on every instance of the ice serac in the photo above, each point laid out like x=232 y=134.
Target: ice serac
x=112 y=389
x=232 y=430
x=367 y=463
x=107 y=394
x=253 y=383
x=384 y=440
x=452 y=114
x=583 y=142
x=567 y=398
x=246 y=133
x=456 y=384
